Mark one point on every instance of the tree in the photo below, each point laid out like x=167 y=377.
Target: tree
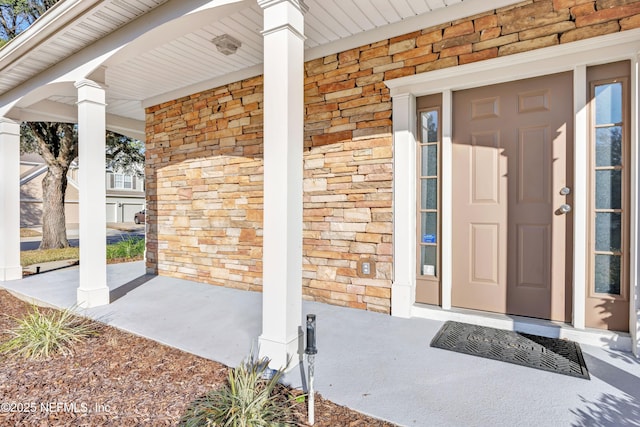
x=58 y=142
x=124 y=154
x=58 y=145
x=55 y=141
x=17 y=15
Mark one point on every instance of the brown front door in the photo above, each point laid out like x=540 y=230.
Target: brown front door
x=511 y=167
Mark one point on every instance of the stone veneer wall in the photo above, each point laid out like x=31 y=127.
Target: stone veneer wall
x=204 y=153
x=204 y=186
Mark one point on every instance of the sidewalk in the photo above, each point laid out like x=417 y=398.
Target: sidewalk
x=374 y=363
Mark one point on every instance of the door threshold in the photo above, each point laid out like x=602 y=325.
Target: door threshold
x=528 y=325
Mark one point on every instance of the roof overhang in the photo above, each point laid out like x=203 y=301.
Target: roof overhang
x=146 y=52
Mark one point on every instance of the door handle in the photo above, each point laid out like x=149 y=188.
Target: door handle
x=565 y=209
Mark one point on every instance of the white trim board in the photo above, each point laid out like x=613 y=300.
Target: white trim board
x=573 y=57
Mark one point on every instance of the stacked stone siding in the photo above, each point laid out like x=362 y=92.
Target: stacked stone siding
x=204 y=193
x=347 y=217
x=204 y=152
x=348 y=179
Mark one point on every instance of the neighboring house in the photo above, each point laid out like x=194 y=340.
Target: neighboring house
x=125 y=196
x=125 y=193
x=467 y=160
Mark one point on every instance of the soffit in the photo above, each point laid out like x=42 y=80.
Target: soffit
x=190 y=59
x=97 y=21
x=327 y=21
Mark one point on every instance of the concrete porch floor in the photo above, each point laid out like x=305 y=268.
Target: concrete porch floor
x=376 y=364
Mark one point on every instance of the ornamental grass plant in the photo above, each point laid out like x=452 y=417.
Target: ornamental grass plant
x=249 y=399
x=41 y=334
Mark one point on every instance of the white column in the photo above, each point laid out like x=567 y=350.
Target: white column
x=580 y=195
x=283 y=144
x=10 y=268
x=93 y=290
x=403 y=289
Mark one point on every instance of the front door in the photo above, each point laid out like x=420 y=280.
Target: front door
x=512 y=173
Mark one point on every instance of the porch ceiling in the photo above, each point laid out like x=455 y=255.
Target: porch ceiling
x=164 y=67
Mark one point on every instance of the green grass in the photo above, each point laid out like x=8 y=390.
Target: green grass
x=39 y=335
x=247 y=400
x=130 y=247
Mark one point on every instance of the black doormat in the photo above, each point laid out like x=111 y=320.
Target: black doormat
x=549 y=354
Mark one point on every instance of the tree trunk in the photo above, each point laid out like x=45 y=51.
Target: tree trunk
x=54 y=230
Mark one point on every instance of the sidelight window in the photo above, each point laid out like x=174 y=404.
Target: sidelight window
x=609 y=186
x=428 y=198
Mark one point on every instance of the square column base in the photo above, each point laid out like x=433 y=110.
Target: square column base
x=401 y=300
x=88 y=298
x=282 y=355
x=10 y=273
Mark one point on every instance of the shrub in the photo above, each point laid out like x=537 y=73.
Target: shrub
x=247 y=400
x=39 y=335
x=129 y=247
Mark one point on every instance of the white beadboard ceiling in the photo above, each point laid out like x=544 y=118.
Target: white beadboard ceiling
x=190 y=59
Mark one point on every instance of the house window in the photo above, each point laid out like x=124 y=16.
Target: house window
x=428 y=199
x=428 y=205
x=609 y=223
x=122 y=181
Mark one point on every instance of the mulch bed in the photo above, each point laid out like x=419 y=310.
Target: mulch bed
x=119 y=379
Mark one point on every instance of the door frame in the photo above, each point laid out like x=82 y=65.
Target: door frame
x=575 y=57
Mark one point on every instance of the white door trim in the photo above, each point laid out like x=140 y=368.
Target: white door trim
x=403 y=293
x=580 y=199
x=447 y=198
x=634 y=294
x=574 y=57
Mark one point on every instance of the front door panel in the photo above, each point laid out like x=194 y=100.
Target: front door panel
x=510 y=161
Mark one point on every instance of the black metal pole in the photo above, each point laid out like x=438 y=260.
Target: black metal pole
x=311 y=335
x=311 y=351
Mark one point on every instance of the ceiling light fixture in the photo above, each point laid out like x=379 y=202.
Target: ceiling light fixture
x=226 y=44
